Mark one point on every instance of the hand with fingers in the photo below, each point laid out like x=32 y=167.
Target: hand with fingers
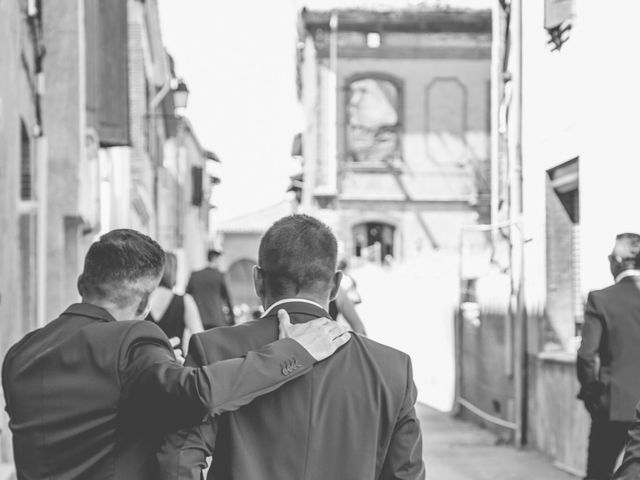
x=320 y=337
x=177 y=351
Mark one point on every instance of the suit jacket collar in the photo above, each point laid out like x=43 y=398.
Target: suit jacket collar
x=89 y=310
x=294 y=307
x=632 y=274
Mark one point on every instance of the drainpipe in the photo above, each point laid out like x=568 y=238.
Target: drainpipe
x=496 y=78
x=516 y=237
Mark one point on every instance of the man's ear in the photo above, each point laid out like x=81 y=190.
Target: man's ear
x=258 y=281
x=144 y=306
x=335 y=284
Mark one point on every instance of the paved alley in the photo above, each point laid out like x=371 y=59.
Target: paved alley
x=457 y=450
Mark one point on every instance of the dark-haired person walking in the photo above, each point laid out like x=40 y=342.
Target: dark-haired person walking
x=352 y=418
x=209 y=289
x=90 y=394
x=177 y=315
x=609 y=359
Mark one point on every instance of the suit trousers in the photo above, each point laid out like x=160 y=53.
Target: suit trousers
x=606 y=441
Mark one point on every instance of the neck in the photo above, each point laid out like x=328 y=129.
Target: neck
x=269 y=299
x=118 y=313
x=627 y=272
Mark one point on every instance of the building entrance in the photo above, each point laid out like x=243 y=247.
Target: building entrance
x=374 y=241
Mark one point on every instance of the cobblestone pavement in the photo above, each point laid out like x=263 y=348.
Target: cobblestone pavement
x=457 y=450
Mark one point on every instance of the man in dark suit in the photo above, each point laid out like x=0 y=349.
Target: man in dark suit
x=611 y=337
x=209 y=289
x=630 y=468
x=91 y=394
x=352 y=418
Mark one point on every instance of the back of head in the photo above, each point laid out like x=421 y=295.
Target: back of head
x=121 y=267
x=626 y=252
x=298 y=254
x=213 y=254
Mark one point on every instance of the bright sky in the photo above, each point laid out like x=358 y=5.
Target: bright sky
x=238 y=59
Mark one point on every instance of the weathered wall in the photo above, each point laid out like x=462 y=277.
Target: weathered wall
x=443 y=82
x=65 y=126
x=579 y=102
x=16 y=106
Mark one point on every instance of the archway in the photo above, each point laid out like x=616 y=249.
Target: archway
x=374 y=241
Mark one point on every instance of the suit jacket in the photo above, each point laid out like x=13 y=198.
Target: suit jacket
x=352 y=418
x=209 y=289
x=91 y=398
x=630 y=467
x=611 y=333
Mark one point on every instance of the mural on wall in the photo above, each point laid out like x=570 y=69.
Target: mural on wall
x=373 y=126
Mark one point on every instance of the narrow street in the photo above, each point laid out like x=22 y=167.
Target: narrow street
x=457 y=450
x=410 y=308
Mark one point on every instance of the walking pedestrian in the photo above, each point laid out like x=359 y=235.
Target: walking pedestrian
x=90 y=394
x=610 y=339
x=353 y=418
x=343 y=307
x=209 y=289
x=177 y=315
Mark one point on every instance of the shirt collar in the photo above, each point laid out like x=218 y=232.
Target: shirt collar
x=628 y=273
x=288 y=300
x=89 y=310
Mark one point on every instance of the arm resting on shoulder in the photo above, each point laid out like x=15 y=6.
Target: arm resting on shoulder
x=404 y=456
x=148 y=368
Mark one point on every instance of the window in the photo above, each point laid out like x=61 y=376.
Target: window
x=197 y=192
x=564 y=295
x=374 y=40
x=26 y=165
x=373 y=121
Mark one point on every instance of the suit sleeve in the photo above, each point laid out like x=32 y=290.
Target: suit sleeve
x=404 y=456
x=149 y=371
x=630 y=467
x=183 y=454
x=588 y=351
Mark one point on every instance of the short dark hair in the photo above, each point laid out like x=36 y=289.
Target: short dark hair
x=297 y=253
x=117 y=265
x=213 y=253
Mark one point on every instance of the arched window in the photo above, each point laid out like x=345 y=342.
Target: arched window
x=373 y=120
x=374 y=241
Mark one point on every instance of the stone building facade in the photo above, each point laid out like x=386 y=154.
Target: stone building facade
x=396 y=145
x=578 y=148
x=22 y=146
x=89 y=141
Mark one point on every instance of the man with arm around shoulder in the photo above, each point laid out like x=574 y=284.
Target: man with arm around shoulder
x=90 y=394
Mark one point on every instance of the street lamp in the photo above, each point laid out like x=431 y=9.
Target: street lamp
x=180 y=94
